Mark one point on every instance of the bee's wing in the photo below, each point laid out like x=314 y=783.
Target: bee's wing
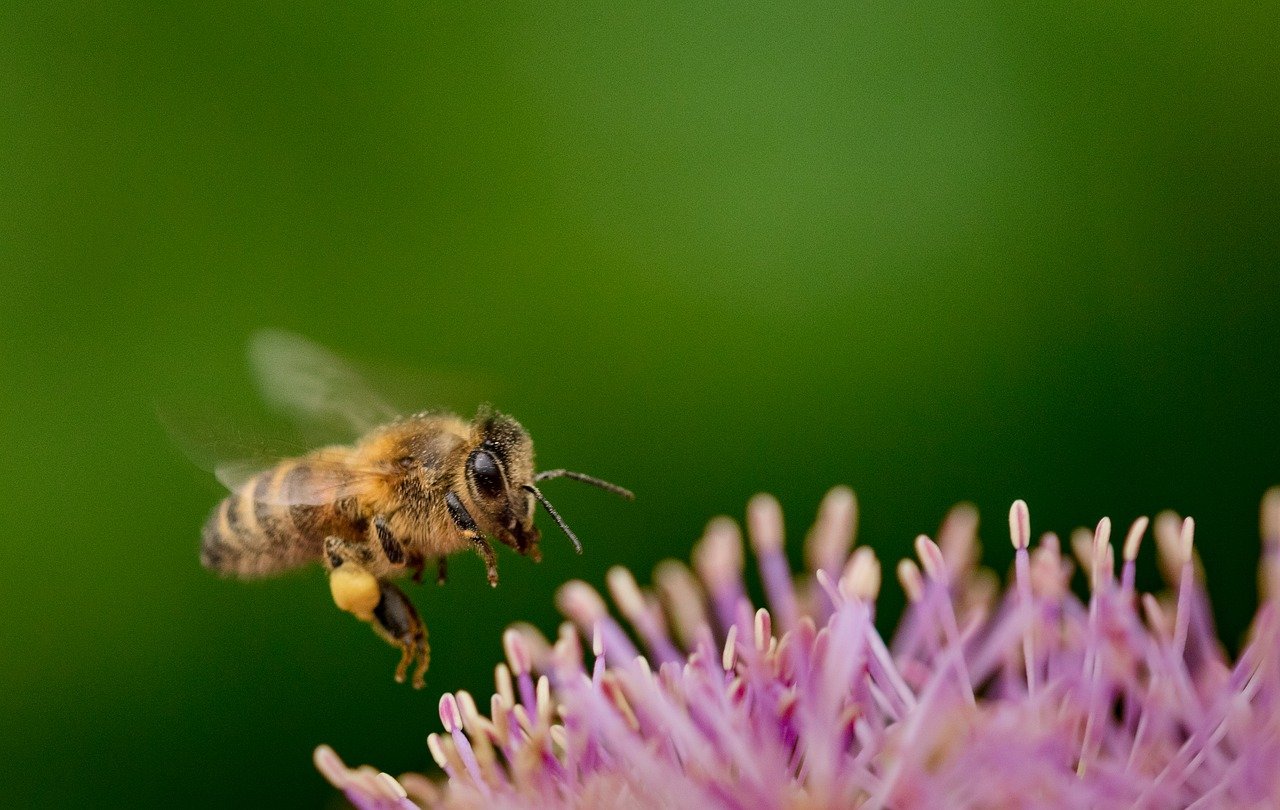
x=311 y=480
x=233 y=450
x=311 y=384
x=236 y=457
x=329 y=402
x=235 y=473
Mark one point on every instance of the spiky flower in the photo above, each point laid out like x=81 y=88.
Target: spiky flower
x=1028 y=697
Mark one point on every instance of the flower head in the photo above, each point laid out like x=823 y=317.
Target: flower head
x=1030 y=697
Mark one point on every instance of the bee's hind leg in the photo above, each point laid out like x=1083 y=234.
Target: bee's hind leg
x=354 y=589
x=397 y=621
x=381 y=604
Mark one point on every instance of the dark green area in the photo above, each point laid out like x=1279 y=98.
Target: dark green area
x=933 y=253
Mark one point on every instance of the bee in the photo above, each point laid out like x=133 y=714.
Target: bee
x=408 y=491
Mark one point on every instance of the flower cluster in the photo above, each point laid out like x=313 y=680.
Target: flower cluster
x=1027 y=697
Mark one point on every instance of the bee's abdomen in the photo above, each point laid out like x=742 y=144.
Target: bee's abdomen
x=252 y=533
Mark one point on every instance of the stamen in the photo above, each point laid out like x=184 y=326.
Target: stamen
x=331 y=766
x=435 y=746
x=449 y=714
x=391 y=786
x=517 y=652
x=831 y=589
x=1168 y=530
x=543 y=703
x=1102 y=571
x=1020 y=536
x=763 y=630
x=934 y=565
x=958 y=537
x=1269 y=568
x=1269 y=520
x=502 y=680
x=537 y=648
x=478 y=729
x=1186 y=538
x=499 y=711
x=518 y=656
x=1050 y=579
x=421 y=790
x=683 y=600
x=730 y=649
x=718 y=559
x=1019 y=525
x=828 y=543
x=452 y=719
x=1132 y=542
x=911 y=579
x=931 y=558
x=614 y=692
x=1081 y=542
x=1182 y=620
x=627 y=595
x=861 y=579
x=580 y=602
x=1157 y=619
x=764 y=522
x=560 y=738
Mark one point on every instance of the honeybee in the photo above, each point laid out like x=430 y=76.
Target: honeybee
x=408 y=491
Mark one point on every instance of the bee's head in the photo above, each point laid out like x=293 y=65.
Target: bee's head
x=498 y=474
x=501 y=482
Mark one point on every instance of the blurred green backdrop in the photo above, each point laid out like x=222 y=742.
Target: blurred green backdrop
x=933 y=252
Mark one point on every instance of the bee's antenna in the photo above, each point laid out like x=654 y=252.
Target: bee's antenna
x=551 y=510
x=546 y=475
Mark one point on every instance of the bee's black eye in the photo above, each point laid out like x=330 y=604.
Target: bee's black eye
x=485 y=474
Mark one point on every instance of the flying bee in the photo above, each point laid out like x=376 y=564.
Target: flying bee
x=409 y=491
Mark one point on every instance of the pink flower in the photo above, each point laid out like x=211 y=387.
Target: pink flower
x=1024 y=698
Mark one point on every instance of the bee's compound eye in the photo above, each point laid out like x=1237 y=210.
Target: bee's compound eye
x=485 y=474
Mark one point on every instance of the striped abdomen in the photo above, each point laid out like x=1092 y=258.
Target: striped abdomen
x=276 y=520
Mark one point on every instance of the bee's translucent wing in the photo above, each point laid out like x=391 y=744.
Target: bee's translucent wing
x=328 y=402
x=311 y=480
x=310 y=383
x=235 y=473
x=306 y=478
x=225 y=447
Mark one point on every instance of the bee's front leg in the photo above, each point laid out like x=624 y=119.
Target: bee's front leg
x=467 y=525
x=381 y=604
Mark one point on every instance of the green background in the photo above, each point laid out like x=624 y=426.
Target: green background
x=936 y=253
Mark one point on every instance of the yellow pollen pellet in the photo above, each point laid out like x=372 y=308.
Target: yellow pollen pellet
x=355 y=591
